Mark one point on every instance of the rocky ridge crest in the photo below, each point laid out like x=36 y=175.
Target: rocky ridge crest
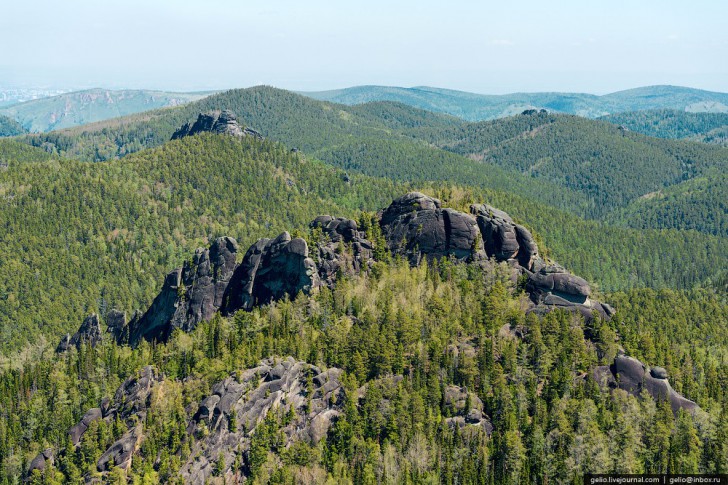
x=414 y=226
x=221 y=122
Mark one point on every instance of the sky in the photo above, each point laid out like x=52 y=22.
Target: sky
x=593 y=46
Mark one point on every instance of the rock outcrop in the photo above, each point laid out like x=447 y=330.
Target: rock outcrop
x=465 y=409
x=116 y=324
x=129 y=405
x=77 y=431
x=503 y=239
x=45 y=458
x=415 y=225
x=221 y=122
x=190 y=295
x=121 y=452
x=551 y=286
x=631 y=375
x=246 y=399
x=271 y=270
x=88 y=333
x=332 y=256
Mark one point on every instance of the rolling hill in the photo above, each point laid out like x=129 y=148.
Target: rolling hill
x=698 y=204
x=105 y=232
x=82 y=107
x=478 y=107
x=607 y=164
x=586 y=167
x=701 y=127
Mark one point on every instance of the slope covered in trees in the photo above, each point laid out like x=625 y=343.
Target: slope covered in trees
x=609 y=166
x=701 y=127
x=698 y=204
x=420 y=349
x=94 y=235
x=10 y=127
x=79 y=236
x=585 y=167
x=442 y=376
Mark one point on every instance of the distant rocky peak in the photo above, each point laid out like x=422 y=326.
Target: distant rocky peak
x=223 y=122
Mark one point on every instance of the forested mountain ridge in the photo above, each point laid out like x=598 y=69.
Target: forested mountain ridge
x=478 y=107
x=204 y=186
x=82 y=107
x=545 y=157
x=698 y=204
x=392 y=359
x=702 y=127
x=99 y=234
x=608 y=164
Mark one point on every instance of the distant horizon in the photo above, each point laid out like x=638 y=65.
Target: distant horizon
x=73 y=89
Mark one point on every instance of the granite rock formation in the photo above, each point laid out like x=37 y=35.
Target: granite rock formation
x=416 y=225
x=190 y=295
x=89 y=332
x=271 y=270
x=332 y=258
x=503 y=239
x=466 y=410
x=279 y=386
x=221 y=122
x=634 y=377
x=116 y=324
x=40 y=462
x=313 y=397
x=551 y=286
x=129 y=405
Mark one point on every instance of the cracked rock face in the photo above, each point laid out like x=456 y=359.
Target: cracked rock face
x=311 y=397
x=503 y=239
x=332 y=256
x=415 y=225
x=271 y=270
x=190 y=295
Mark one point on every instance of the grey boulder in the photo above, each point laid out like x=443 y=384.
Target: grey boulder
x=415 y=225
x=634 y=377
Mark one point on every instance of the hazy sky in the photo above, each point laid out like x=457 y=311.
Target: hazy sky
x=483 y=46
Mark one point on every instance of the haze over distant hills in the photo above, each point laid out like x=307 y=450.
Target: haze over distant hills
x=478 y=107
x=81 y=107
